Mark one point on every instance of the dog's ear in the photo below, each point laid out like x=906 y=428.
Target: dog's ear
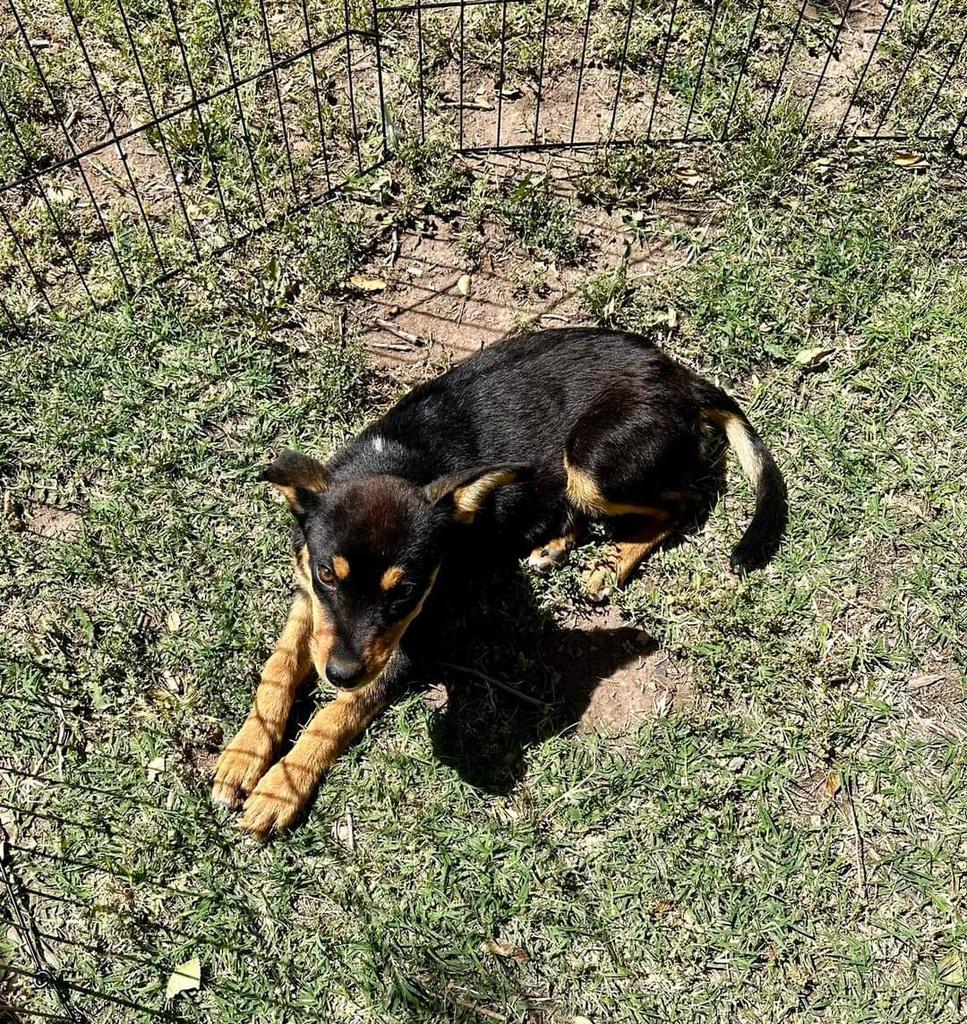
x=298 y=478
x=467 y=492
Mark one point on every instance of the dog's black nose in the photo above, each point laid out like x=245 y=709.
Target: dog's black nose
x=344 y=672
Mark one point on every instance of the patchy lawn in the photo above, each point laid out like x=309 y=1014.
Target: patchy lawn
x=778 y=828
x=734 y=800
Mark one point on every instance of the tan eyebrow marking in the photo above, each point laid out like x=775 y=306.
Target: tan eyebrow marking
x=391 y=577
x=340 y=566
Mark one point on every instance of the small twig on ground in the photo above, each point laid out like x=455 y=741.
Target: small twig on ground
x=483 y=677
x=59 y=743
x=115 y=179
x=395 y=246
x=389 y=347
x=466 y=105
x=467 y=1004
x=398 y=332
x=860 y=851
x=342 y=327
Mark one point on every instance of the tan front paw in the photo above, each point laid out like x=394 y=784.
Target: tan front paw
x=243 y=762
x=278 y=800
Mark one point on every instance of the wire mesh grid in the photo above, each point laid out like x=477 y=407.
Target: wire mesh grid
x=506 y=75
x=135 y=139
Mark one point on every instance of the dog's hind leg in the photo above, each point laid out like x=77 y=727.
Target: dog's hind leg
x=246 y=759
x=629 y=554
x=633 y=460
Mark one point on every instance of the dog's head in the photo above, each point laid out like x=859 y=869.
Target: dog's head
x=373 y=548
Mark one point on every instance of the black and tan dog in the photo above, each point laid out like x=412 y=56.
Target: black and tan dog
x=511 y=452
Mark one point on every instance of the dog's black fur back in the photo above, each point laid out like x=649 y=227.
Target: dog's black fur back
x=519 y=401
x=514 y=402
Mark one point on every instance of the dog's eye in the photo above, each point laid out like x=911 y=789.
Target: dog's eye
x=326 y=576
x=400 y=593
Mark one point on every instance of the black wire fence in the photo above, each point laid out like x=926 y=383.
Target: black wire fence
x=138 y=137
x=549 y=74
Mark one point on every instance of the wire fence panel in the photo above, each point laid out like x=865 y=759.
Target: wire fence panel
x=133 y=139
x=511 y=75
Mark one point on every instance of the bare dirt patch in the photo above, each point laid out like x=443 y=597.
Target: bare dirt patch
x=111 y=181
x=424 y=306
x=849 y=57
x=439 y=303
x=937 y=700
x=615 y=676
x=53 y=523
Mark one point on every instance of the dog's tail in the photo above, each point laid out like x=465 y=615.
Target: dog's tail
x=762 y=536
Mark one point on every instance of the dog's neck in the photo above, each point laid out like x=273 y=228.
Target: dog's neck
x=372 y=454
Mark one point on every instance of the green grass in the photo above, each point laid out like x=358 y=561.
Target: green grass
x=706 y=869
x=787 y=846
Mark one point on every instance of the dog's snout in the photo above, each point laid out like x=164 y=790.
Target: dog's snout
x=344 y=672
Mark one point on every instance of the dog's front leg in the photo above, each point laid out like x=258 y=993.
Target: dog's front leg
x=246 y=759
x=282 y=794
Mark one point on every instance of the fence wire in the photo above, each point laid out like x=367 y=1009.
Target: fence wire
x=134 y=141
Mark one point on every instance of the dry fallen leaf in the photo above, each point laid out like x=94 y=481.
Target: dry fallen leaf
x=61 y=195
x=8 y=831
x=688 y=175
x=500 y=948
x=367 y=284
x=173 y=621
x=833 y=784
x=170 y=681
x=463 y=284
x=185 y=977
x=580 y=1020
x=155 y=767
x=344 y=830
x=951 y=970
x=910 y=160
x=813 y=356
x=922 y=681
